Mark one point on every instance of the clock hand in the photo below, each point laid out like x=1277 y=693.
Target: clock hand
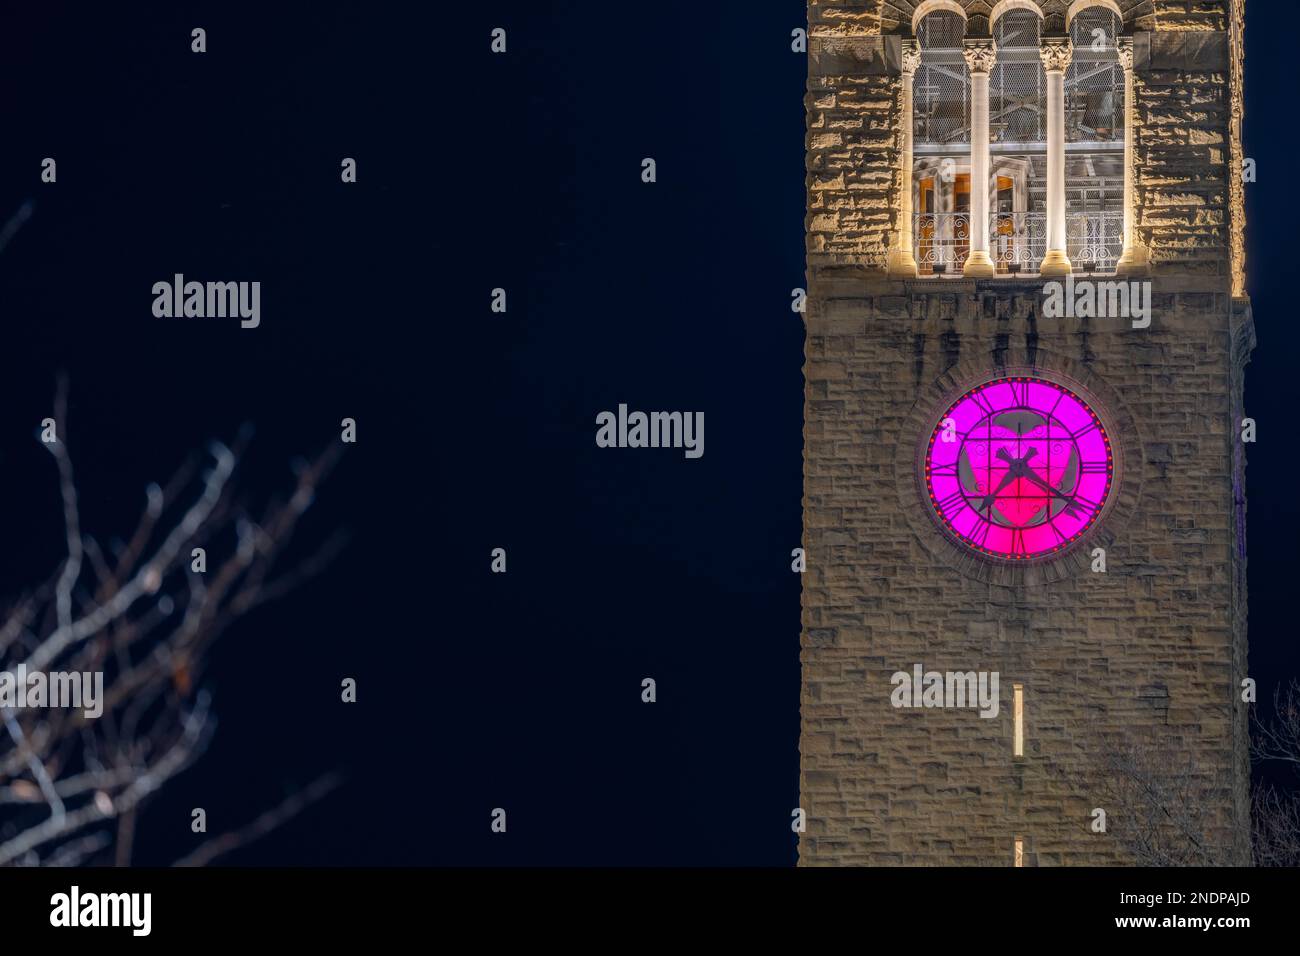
x=1029 y=474
x=1017 y=466
x=1009 y=477
x=1068 y=499
x=1012 y=461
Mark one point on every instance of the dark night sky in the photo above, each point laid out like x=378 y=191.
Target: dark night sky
x=475 y=430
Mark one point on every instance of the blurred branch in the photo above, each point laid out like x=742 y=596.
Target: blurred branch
x=16 y=222
x=206 y=852
x=1275 y=814
x=72 y=786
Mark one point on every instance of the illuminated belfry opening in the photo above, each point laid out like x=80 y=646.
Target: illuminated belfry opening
x=1020 y=852
x=1018 y=712
x=1018 y=141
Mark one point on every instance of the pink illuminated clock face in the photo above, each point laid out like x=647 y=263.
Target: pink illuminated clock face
x=1018 y=468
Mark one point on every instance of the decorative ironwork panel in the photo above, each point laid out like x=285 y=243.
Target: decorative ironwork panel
x=1095 y=240
x=1017 y=241
x=942 y=242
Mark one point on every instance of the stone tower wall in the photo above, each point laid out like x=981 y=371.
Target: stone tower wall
x=1153 y=649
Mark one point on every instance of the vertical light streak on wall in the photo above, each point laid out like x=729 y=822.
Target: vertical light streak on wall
x=1018 y=741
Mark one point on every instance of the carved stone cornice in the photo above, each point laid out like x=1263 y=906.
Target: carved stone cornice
x=1057 y=52
x=980 y=55
x=1124 y=45
x=911 y=57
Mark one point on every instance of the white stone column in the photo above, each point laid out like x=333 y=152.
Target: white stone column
x=980 y=55
x=1136 y=260
x=902 y=260
x=1056 y=53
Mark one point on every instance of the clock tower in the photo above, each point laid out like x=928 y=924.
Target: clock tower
x=1027 y=328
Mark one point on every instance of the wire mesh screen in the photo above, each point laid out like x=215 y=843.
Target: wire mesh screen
x=941 y=90
x=1094 y=84
x=1017 y=84
x=1094 y=180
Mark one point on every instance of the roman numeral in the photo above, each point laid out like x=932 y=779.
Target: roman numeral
x=1060 y=397
x=983 y=403
x=954 y=499
x=1084 y=430
x=1087 y=504
x=1094 y=468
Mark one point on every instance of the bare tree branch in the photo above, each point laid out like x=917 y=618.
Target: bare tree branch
x=264 y=824
x=71 y=518
x=73 y=786
x=1159 y=804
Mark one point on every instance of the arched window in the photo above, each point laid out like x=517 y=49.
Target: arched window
x=941 y=94
x=1094 y=84
x=941 y=111
x=1017 y=138
x=1017 y=86
x=1094 y=129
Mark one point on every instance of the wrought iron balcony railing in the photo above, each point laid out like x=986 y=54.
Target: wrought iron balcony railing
x=1094 y=240
x=942 y=242
x=1017 y=241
